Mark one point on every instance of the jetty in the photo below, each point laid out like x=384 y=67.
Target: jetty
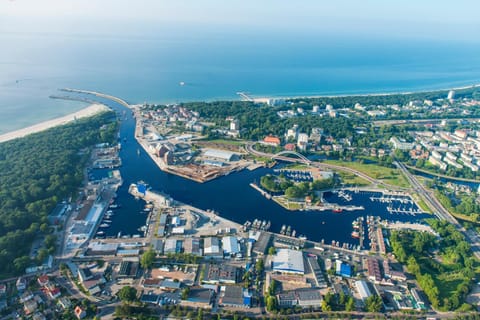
x=262 y=192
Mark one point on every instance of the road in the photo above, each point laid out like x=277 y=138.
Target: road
x=430 y=199
x=439 y=210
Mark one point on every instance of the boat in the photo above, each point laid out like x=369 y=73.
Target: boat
x=181 y=83
x=268 y=225
x=100 y=233
x=289 y=230
x=337 y=210
x=282 y=231
x=119 y=234
x=114 y=206
x=355 y=234
x=302 y=237
x=104 y=225
x=294 y=233
x=107 y=221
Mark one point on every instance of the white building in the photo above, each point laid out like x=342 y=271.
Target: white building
x=362 y=288
x=302 y=141
x=436 y=155
x=292 y=132
x=234 y=125
x=230 y=245
x=436 y=162
x=211 y=247
x=401 y=144
x=288 y=261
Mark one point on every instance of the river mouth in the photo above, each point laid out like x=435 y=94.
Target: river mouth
x=232 y=197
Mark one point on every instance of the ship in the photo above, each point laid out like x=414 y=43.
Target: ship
x=104 y=225
x=355 y=234
x=337 y=210
x=294 y=233
x=107 y=221
x=282 y=231
x=100 y=233
x=114 y=206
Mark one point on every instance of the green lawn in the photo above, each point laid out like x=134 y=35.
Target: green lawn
x=391 y=176
x=351 y=179
x=228 y=142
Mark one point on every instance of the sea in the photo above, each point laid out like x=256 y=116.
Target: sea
x=216 y=64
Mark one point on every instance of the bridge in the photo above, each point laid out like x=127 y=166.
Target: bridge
x=300 y=157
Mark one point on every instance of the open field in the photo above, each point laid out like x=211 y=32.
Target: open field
x=387 y=175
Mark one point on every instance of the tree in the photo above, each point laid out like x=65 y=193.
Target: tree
x=325 y=306
x=127 y=294
x=147 y=259
x=374 y=303
x=271 y=251
x=271 y=303
x=350 y=304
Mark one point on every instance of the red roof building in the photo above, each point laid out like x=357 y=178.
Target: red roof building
x=42 y=280
x=272 y=140
x=289 y=147
x=79 y=312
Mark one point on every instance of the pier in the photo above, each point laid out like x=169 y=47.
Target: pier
x=245 y=97
x=262 y=192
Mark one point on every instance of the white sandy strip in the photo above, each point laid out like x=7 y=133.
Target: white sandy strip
x=87 y=112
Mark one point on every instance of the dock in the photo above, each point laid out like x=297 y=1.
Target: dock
x=262 y=192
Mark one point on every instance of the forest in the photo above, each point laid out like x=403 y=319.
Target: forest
x=36 y=172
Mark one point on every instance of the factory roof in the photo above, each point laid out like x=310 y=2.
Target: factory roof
x=290 y=261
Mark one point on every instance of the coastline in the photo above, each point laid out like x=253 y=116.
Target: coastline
x=263 y=98
x=42 y=126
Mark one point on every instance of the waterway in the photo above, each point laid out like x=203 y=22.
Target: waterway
x=230 y=196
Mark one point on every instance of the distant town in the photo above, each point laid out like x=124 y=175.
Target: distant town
x=419 y=156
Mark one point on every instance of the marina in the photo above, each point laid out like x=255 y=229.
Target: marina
x=238 y=201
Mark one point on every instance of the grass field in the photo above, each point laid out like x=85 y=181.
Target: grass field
x=351 y=179
x=228 y=142
x=391 y=176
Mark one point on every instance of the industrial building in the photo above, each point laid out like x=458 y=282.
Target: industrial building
x=288 y=261
x=230 y=245
x=221 y=155
x=211 y=248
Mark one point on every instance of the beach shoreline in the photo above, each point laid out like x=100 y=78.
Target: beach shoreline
x=89 y=111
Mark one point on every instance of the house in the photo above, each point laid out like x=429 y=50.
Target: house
x=42 y=280
x=54 y=293
x=65 y=303
x=272 y=140
x=21 y=284
x=30 y=307
x=79 y=312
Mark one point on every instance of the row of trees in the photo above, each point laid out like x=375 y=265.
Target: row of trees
x=36 y=172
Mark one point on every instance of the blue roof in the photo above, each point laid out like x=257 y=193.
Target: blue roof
x=345 y=270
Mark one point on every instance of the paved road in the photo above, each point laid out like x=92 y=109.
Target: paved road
x=439 y=210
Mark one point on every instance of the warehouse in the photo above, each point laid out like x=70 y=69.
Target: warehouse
x=362 y=288
x=230 y=245
x=288 y=261
x=221 y=155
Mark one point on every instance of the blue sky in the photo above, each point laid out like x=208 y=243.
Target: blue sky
x=440 y=19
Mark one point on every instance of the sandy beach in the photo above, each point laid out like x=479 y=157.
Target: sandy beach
x=87 y=112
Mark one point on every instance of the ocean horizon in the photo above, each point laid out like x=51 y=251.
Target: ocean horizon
x=175 y=67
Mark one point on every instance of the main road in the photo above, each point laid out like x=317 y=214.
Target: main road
x=439 y=210
x=432 y=202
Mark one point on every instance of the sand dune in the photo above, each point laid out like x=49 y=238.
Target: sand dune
x=87 y=112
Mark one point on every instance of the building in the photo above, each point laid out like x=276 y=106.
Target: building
x=200 y=297
x=343 y=269
x=171 y=246
x=363 y=290
x=234 y=125
x=288 y=261
x=220 y=273
x=439 y=163
x=192 y=246
x=230 y=245
x=235 y=296
x=21 y=284
x=401 y=144
x=272 y=140
x=451 y=95
x=373 y=269
x=211 y=247
x=79 y=312
x=221 y=155
x=292 y=133
x=302 y=141
x=418 y=299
